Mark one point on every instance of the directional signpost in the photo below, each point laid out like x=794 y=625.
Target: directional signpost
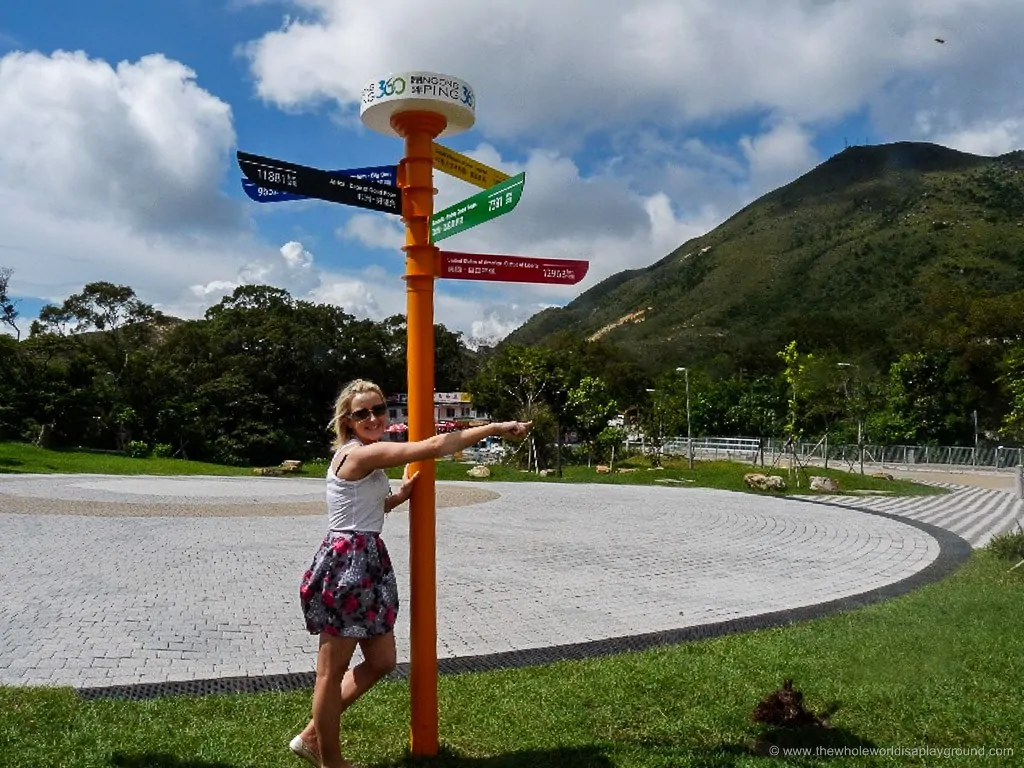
x=382 y=174
x=512 y=269
x=312 y=182
x=419 y=107
x=477 y=209
x=466 y=168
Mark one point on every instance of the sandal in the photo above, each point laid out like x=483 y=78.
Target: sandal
x=300 y=749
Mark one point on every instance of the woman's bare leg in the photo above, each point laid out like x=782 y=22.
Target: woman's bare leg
x=322 y=734
x=379 y=658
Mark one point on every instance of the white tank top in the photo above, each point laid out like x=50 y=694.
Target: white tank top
x=356 y=505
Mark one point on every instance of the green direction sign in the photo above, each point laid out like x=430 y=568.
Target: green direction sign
x=481 y=207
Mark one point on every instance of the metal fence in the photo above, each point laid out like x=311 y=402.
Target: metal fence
x=997 y=457
x=754 y=449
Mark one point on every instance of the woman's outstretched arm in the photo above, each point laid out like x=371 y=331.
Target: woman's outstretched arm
x=382 y=455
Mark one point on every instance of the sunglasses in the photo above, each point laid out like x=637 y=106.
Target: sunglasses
x=364 y=413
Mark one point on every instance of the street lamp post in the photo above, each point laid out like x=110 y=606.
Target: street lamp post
x=689 y=436
x=974 y=456
x=661 y=416
x=860 y=422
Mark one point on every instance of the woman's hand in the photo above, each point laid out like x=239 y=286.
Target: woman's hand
x=514 y=429
x=405 y=491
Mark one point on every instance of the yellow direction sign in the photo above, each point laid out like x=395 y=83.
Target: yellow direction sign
x=466 y=168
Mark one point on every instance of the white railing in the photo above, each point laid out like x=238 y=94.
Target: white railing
x=705 y=448
x=750 y=449
x=998 y=457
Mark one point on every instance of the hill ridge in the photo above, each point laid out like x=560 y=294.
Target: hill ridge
x=837 y=259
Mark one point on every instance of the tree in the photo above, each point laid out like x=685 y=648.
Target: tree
x=651 y=420
x=514 y=384
x=8 y=308
x=796 y=365
x=108 y=326
x=824 y=391
x=454 y=365
x=101 y=306
x=511 y=384
x=590 y=407
x=1013 y=380
x=926 y=401
x=13 y=387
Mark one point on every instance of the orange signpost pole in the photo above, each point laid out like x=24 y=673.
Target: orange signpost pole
x=415 y=177
x=420 y=107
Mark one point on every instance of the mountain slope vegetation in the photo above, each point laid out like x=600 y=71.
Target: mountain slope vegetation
x=867 y=255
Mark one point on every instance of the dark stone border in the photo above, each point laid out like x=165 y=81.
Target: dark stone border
x=953 y=552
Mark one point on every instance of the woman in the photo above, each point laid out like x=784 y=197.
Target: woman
x=349 y=595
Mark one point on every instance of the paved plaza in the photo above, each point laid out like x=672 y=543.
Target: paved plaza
x=114 y=581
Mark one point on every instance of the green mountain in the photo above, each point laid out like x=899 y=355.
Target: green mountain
x=864 y=255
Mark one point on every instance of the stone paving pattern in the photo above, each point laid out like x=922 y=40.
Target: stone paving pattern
x=976 y=514
x=92 y=601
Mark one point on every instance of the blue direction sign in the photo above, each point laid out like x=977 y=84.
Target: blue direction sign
x=302 y=180
x=382 y=174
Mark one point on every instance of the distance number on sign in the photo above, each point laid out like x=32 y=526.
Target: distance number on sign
x=496 y=202
x=278 y=177
x=559 y=274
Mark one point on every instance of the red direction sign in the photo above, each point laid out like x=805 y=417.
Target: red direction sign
x=512 y=269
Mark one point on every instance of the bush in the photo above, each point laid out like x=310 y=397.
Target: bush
x=163 y=450
x=1009 y=545
x=610 y=438
x=137 y=449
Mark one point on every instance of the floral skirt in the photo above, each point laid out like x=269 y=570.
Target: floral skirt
x=350 y=589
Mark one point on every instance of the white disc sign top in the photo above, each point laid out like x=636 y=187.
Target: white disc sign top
x=423 y=91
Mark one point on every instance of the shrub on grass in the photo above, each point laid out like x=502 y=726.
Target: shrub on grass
x=784 y=708
x=163 y=450
x=137 y=449
x=1009 y=545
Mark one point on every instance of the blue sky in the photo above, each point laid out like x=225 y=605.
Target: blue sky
x=639 y=125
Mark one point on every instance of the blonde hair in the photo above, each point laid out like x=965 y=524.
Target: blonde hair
x=343 y=407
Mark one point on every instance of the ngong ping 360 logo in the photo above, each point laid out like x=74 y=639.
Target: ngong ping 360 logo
x=437 y=86
x=444 y=87
x=382 y=89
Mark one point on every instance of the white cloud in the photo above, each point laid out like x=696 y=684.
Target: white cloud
x=140 y=141
x=963 y=93
x=668 y=232
x=993 y=138
x=562 y=70
x=295 y=256
x=777 y=157
x=214 y=290
x=374 y=231
x=358 y=298
x=486 y=318
x=111 y=172
x=292 y=271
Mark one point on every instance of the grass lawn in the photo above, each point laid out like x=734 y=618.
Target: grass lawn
x=727 y=475
x=939 y=669
x=20 y=458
